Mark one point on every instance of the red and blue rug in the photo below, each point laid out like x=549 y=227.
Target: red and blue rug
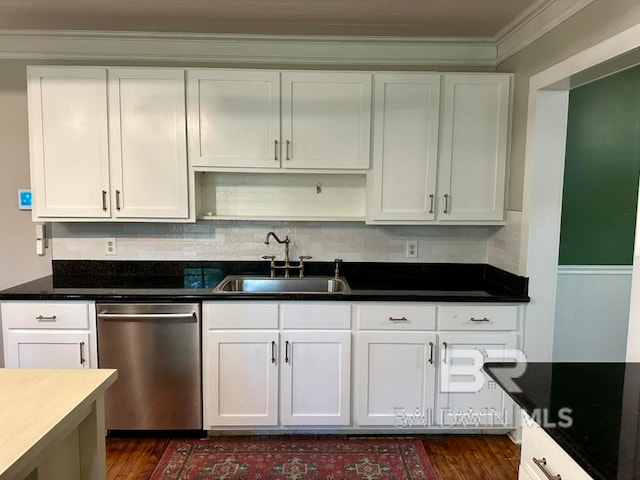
x=295 y=459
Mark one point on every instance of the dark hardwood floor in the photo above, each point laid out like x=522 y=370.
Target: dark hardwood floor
x=454 y=457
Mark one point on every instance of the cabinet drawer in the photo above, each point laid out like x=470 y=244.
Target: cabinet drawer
x=46 y=315
x=477 y=317
x=536 y=443
x=316 y=315
x=255 y=315
x=396 y=316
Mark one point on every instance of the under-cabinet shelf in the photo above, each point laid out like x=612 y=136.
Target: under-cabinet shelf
x=280 y=196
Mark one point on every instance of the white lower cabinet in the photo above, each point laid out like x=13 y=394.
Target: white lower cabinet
x=241 y=383
x=395 y=378
x=467 y=398
x=49 y=334
x=395 y=364
x=315 y=378
x=416 y=365
x=542 y=458
x=270 y=364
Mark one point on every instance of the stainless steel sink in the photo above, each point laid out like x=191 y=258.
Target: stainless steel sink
x=256 y=284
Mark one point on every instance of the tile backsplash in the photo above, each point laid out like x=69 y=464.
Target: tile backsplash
x=503 y=247
x=244 y=240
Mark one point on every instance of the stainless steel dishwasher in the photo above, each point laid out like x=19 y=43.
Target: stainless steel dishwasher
x=156 y=349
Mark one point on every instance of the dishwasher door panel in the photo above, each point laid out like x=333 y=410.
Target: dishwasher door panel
x=156 y=350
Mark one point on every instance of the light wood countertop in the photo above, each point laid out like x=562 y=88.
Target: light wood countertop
x=39 y=407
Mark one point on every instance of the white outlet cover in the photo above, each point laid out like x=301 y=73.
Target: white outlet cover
x=411 y=249
x=110 y=246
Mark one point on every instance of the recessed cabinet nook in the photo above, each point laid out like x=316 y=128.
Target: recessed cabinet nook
x=178 y=145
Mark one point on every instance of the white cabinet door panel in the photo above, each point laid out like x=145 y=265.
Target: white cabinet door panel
x=467 y=397
x=69 y=141
x=47 y=349
x=395 y=378
x=316 y=380
x=241 y=378
x=234 y=118
x=326 y=120
x=405 y=146
x=147 y=128
x=473 y=151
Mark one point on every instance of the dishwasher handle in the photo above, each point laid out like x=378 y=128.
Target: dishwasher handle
x=148 y=316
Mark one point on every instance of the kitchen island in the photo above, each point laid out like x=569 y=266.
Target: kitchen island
x=589 y=411
x=52 y=423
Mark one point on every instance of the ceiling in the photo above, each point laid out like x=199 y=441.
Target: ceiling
x=402 y=18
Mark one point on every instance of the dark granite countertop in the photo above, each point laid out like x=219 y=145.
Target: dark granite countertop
x=590 y=409
x=169 y=281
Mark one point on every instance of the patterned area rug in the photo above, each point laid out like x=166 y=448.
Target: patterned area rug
x=294 y=459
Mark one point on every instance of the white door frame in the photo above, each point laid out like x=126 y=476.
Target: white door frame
x=543 y=178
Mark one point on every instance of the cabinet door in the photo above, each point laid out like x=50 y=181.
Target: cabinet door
x=326 y=120
x=396 y=378
x=234 y=118
x=467 y=397
x=240 y=378
x=405 y=147
x=473 y=151
x=148 y=145
x=68 y=142
x=315 y=386
x=47 y=349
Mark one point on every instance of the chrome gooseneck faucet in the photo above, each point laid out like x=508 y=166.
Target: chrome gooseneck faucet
x=287 y=263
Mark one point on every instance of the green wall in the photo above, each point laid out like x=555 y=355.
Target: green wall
x=602 y=166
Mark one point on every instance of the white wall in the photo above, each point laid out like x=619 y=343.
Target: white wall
x=18 y=260
x=594 y=23
x=592 y=313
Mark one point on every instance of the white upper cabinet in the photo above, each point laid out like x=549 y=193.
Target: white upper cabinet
x=405 y=146
x=326 y=119
x=148 y=143
x=108 y=143
x=69 y=142
x=473 y=150
x=439 y=152
x=234 y=118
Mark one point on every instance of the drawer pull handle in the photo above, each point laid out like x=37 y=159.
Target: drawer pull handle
x=400 y=319
x=118 y=200
x=275 y=150
x=288 y=150
x=444 y=352
x=542 y=464
x=446 y=203
x=431 y=353
x=286 y=351
x=431 y=202
x=273 y=352
x=104 y=200
x=485 y=319
x=82 y=359
x=46 y=318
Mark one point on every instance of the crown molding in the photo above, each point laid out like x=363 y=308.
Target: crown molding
x=538 y=19
x=230 y=49
x=227 y=49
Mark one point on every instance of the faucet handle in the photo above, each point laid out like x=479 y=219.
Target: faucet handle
x=302 y=258
x=269 y=257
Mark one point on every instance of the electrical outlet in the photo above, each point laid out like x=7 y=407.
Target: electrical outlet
x=411 y=249
x=110 y=247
